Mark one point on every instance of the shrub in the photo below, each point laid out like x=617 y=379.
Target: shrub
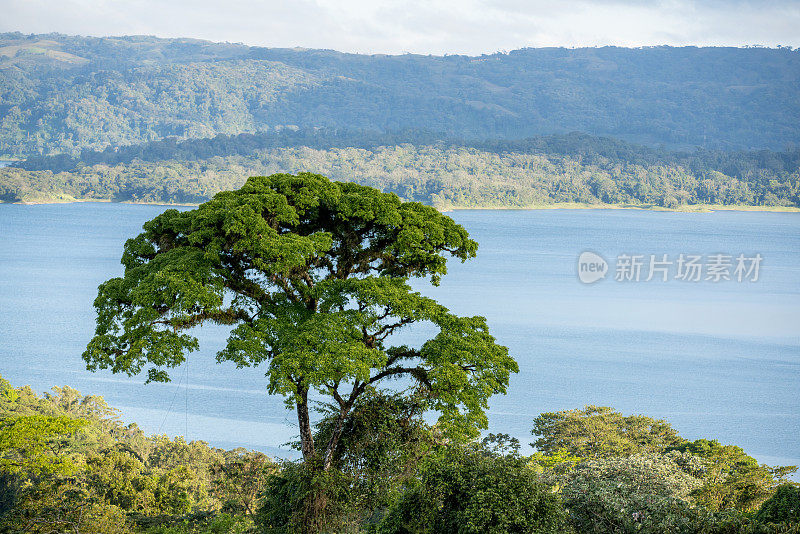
x=471 y=490
x=647 y=493
x=782 y=507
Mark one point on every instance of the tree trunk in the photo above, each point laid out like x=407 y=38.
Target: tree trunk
x=333 y=442
x=306 y=436
x=317 y=501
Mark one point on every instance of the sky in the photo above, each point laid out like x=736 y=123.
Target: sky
x=419 y=26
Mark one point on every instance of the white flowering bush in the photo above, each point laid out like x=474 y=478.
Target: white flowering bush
x=640 y=493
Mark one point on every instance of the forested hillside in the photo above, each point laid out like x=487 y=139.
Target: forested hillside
x=527 y=173
x=63 y=94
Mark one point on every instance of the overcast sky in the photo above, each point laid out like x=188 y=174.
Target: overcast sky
x=432 y=26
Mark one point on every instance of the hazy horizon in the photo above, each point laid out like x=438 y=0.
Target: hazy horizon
x=475 y=54
x=471 y=27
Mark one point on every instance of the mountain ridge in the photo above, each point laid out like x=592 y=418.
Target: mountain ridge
x=136 y=89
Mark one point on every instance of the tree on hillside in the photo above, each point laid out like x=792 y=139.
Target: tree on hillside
x=600 y=431
x=312 y=276
x=733 y=479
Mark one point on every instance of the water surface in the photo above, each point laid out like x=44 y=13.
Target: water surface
x=719 y=361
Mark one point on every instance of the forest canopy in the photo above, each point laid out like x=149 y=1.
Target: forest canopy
x=68 y=464
x=539 y=171
x=63 y=94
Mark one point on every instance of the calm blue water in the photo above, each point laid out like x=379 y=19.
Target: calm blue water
x=716 y=360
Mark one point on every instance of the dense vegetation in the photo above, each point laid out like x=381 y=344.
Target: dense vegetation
x=538 y=171
x=312 y=277
x=62 y=94
x=67 y=464
x=177 y=120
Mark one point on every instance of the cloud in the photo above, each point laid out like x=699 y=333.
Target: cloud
x=440 y=26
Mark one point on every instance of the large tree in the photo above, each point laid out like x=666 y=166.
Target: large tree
x=601 y=432
x=312 y=276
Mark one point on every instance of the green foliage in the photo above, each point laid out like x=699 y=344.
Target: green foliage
x=636 y=474
x=239 y=480
x=312 y=275
x=533 y=172
x=739 y=523
x=383 y=441
x=782 y=507
x=303 y=499
x=638 y=493
x=68 y=464
x=34 y=445
x=472 y=490
x=151 y=120
x=501 y=444
x=599 y=432
x=91 y=93
x=733 y=479
x=197 y=523
x=552 y=468
x=41 y=492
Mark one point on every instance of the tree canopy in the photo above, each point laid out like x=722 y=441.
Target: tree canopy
x=473 y=490
x=601 y=431
x=312 y=276
x=534 y=172
x=67 y=464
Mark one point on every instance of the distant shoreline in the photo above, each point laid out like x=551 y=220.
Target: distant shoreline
x=691 y=208
x=98 y=200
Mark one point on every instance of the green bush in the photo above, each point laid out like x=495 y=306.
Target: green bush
x=299 y=499
x=647 y=493
x=471 y=490
x=200 y=523
x=782 y=507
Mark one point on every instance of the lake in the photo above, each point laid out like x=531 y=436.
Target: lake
x=717 y=360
